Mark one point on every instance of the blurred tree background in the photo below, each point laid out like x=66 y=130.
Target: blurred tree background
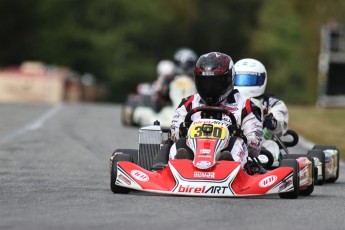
x=120 y=42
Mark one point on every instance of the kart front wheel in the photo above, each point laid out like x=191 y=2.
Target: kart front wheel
x=292 y=163
x=320 y=155
x=309 y=190
x=113 y=173
x=127 y=114
x=133 y=153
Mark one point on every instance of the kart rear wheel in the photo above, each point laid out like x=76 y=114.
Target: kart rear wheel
x=318 y=153
x=113 y=173
x=324 y=147
x=293 y=164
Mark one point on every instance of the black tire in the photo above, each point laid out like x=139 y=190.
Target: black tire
x=295 y=156
x=295 y=138
x=132 y=152
x=309 y=190
x=270 y=158
x=318 y=153
x=127 y=114
x=127 y=111
x=324 y=147
x=113 y=173
x=293 y=164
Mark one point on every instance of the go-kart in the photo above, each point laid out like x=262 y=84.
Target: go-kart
x=143 y=97
x=142 y=110
x=132 y=169
x=326 y=157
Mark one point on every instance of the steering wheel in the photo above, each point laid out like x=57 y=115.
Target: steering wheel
x=188 y=118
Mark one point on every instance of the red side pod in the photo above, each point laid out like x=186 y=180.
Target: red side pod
x=259 y=184
x=162 y=180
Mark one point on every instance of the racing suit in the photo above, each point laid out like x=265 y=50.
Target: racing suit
x=247 y=115
x=279 y=111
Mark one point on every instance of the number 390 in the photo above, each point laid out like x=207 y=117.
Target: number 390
x=216 y=132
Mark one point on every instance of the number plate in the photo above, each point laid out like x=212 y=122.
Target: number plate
x=201 y=130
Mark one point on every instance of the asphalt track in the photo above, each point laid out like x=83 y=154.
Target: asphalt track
x=54 y=175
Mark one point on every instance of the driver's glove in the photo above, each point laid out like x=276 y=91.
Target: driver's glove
x=184 y=128
x=270 y=122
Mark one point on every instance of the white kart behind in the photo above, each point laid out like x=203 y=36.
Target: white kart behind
x=182 y=86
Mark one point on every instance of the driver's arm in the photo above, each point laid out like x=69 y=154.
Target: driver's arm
x=179 y=116
x=280 y=114
x=252 y=129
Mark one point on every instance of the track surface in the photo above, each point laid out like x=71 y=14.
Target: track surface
x=54 y=175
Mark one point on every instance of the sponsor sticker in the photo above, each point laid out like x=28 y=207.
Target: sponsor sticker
x=268 y=181
x=204 y=156
x=124 y=179
x=207 y=73
x=139 y=175
x=204 y=174
x=203 y=189
x=284 y=185
x=205 y=151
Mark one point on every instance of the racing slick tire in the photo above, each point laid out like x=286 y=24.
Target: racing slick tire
x=113 y=173
x=293 y=164
x=127 y=111
x=269 y=159
x=318 y=153
x=324 y=147
x=132 y=152
x=309 y=190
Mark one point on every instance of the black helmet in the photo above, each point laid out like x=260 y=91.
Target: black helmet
x=213 y=75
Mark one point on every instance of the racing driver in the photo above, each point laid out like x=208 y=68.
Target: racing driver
x=251 y=81
x=214 y=79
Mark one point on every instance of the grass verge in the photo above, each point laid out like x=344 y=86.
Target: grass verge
x=319 y=125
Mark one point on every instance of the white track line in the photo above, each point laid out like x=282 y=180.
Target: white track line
x=34 y=125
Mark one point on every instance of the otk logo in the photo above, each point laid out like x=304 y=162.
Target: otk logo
x=139 y=175
x=268 y=181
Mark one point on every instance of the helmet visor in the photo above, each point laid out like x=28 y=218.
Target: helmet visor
x=211 y=88
x=249 y=80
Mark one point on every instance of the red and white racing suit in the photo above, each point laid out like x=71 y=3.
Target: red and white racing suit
x=246 y=113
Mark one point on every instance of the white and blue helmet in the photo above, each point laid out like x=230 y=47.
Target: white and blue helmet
x=250 y=77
